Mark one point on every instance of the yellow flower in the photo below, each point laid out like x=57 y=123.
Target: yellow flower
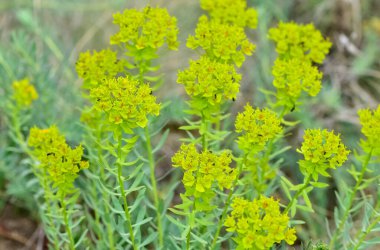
x=233 y=12
x=148 y=28
x=60 y=162
x=370 y=120
x=223 y=42
x=259 y=224
x=212 y=81
x=202 y=170
x=125 y=101
x=322 y=149
x=96 y=67
x=299 y=41
x=257 y=126
x=24 y=93
x=293 y=76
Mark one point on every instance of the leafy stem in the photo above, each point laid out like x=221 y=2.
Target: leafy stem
x=154 y=186
x=351 y=200
x=103 y=178
x=227 y=204
x=364 y=234
x=66 y=221
x=122 y=191
x=298 y=193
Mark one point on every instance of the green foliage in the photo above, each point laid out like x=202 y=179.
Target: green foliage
x=106 y=193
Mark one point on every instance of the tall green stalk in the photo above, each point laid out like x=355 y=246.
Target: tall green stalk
x=350 y=201
x=122 y=191
x=66 y=221
x=154 y=186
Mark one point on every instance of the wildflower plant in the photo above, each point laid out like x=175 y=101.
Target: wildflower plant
x=57 y=168
x=105 y=192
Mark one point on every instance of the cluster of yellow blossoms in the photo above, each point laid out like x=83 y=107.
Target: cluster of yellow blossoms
x=298 y=48
x=94 y=68
x=126 y=101
x=60 y=162
x=257 y=127
x=202 y=170
x=293 y=76
x=299 y=41
x=24 y=93
x=234 y=12
x=321 y=149
x=224 y=42
x=370 y=121
x=259 y=224
x=149 y=28
x=211 y=80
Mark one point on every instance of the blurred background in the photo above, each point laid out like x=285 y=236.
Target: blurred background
x=41 y=40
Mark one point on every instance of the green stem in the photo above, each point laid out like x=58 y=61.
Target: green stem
x=226 y=206
x=299 y=192
x=121 y=185
x=47 y=193
x=66 y=221
x=154 y=186
x=105 y=195
x=204 y=138
x=366 y=232
x=351 y=201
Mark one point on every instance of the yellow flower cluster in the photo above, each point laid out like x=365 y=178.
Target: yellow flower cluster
x=148 y=28
x=95 y=67
x=233 y=12
x=211 y=80
x=293 y=76
x=126 y=101
x=322 y=149
x=61 y=162
x=259 y=224
x=257 y=127
x=204 y=169
x=370 y=121
x=221 y=41
x=300 y=41
x=24 y=93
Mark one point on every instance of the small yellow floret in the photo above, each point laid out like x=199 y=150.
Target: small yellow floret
x=24 y=93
